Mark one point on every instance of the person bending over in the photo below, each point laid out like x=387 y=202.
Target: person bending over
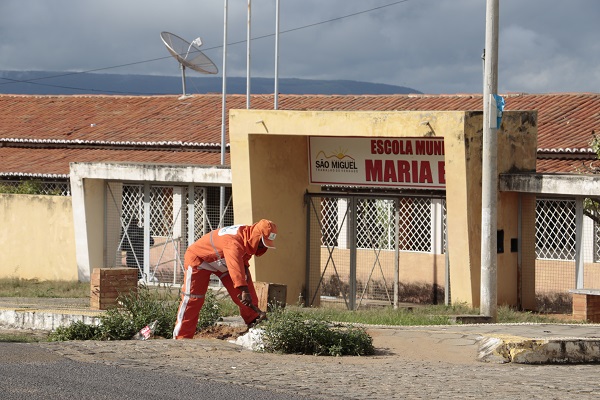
x=225 y=252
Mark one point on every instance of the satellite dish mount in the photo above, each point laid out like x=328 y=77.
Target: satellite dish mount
x=188 y=55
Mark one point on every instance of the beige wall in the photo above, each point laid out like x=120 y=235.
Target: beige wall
x=413 y=267
x=270 y=175
x=517 y=151
x=94 y=190
x=37 y=237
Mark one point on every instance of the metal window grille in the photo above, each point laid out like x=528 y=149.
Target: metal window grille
x=161 y=210
x=444 y=226
x=555 y=229
x=329 y=218
x=375 y=224
x=415 y=224
x=596 y=242
x=133 y=201
x=130 y=223
x=200 y=218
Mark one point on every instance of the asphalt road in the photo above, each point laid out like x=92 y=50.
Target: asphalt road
x=28 y=372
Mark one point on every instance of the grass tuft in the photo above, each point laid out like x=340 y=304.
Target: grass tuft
x=291 y=332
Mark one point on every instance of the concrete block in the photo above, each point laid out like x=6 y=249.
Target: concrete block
x=270 y=294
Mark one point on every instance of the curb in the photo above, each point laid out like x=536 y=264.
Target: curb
x=46 y=320
x=520 y=350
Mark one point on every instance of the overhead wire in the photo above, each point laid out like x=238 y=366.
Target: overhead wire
x=33 y=80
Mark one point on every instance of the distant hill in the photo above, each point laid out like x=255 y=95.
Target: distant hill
x=67 y=83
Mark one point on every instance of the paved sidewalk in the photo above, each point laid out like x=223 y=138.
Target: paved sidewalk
x=491 y=343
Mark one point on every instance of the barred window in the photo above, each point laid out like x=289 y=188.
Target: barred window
x=161 y=210
x=555 y=229
x=329 y=218
x=596 y=242
x=375 y=220
x=444 y=226
x=415 y=224
x=133 y=202
x=375 y=224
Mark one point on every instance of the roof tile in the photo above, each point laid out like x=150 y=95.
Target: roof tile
x=565 y=121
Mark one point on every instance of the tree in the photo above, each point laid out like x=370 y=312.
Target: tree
x=591 y=205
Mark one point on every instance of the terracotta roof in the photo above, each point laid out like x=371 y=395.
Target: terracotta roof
x=54 y=162
x=34 y=129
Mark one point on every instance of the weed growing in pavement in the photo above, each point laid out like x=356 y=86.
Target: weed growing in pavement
x=135 y=312
x=76 y=331
x=291 y=332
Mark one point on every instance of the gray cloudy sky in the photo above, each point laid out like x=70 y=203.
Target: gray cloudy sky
x=433 y=46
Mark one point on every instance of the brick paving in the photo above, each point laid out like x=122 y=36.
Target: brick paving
x=393 y=373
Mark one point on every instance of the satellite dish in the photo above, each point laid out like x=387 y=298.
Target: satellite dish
x=188 y=55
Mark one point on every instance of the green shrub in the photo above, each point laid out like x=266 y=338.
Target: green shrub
x=76 y=331
x=290 y=332
x=25 y=187
x=137 y=311
x=134 y=313
x=210 y=313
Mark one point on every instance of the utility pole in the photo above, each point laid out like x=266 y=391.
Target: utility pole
x=276 y=90
x=489 y=192
x=248 y=46
x=223 y=114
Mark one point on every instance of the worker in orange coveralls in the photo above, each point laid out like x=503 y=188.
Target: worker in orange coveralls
x=226 y=253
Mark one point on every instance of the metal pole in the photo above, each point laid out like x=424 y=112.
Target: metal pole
x=447 y=297
x=352 y=226
x=579 y=265
x=248 y=29
x=223 y=111
x=183 y=80
x=520 y=254
x=489 y=192
x=276 y=91
x=396 y=253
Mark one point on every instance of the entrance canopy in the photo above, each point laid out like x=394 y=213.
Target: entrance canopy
x=274 y=156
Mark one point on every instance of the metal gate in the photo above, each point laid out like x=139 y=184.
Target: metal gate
x=149 y=227
x=360 y=249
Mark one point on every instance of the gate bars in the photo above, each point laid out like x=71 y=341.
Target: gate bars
x=354 y=244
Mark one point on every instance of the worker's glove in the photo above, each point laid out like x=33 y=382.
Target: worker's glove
x=245 y=297
x=261 y=316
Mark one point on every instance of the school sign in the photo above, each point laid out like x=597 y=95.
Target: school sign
x=414 y=163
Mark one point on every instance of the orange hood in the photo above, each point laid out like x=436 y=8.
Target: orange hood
x=263 y=230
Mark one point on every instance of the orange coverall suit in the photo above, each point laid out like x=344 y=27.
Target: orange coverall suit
x=224 y=252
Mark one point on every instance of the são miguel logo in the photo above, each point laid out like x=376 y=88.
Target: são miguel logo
x=336 y=161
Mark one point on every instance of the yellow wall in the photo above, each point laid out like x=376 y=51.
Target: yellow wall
x=269 y=167
x=528 y=262
x=37 y=237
